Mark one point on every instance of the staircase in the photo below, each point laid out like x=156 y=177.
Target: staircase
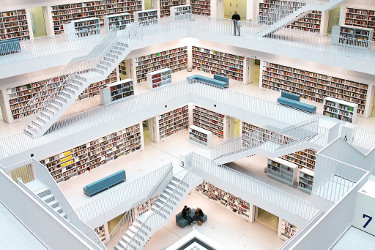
x=148 y=223
x=105 y=59
x=283 y=15
x=44 y=193
x=270 y=142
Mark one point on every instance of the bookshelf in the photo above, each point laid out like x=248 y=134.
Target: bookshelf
x=65 y=13
x=117 y=91
x=102 y=231
x=265 y=134
x=159 y=78
x=216 y=62
x=313 y=86
x=171 y=123
x=306 y=180
x=165 y=6
x=175 y=59
x=286 y=230
x=200 y=136
x=19 y=96
x=282 y=170
x=117 y=20
x=146 y=17
x=352 y=36
x=201 y=7
x=146 y=206
x=181 y=11
x=364 y=18
x=210 y=121
x=305 y=158
x=14 y=24
x=93 y=154
x=311 y=22
x=235 y=204
x=83 y=28
x=339 y=109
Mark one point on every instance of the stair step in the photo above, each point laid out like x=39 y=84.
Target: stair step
x=161 y=207
x=99 y=66
x=58 y=209
x=73 y=86
x=81 y=78
x=140 y=227
x=64 y=215
x=125 y=245
x=37 y=123
x=58 y=101
x=33 y=128
x=134 y=229
x=75 y=81
x=112 y=55
x=122 y=44
x=105 y=63
x=53 y=203
x=108 y=59
x=49 y=111
x=48 y=198
x=134 y=235
x=119 y=48
x=98 y=70
x=171 y=188
x=168 y=199
x=68 y=91
x=28 y=132
x=42 y=118
x=130 y=240
x=160 y=212
x=117 y=52
x=161 y=204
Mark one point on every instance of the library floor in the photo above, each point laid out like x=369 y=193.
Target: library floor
x=228 y=229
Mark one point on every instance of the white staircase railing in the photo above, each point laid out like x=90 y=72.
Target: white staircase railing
x=261 y=194
x=144 y=227
x=128 y=218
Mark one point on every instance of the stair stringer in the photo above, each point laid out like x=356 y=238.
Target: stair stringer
x=301 y=12
x=77 y=84
x=151 y=231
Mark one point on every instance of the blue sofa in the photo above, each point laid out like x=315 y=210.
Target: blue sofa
x=105 y=183
x=218 y=80
x=9 y=46
x=293 y=100
x=182 y=222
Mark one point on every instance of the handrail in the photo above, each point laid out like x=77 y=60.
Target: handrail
x=68 y=71
x=151 y=216
x=151 y=194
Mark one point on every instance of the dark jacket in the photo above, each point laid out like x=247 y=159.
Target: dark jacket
x=185 y=212
x=199 y=213
x=236 y=17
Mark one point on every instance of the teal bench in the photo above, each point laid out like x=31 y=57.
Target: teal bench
x=9 y=46
x=104 y=183
x=182 y=222
x=293 y=100
x=217 y=81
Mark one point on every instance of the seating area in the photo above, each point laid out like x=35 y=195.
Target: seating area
x=10 y=46
x=293 y=101
x=182 y=222
x=104 y=183
x=218 y=80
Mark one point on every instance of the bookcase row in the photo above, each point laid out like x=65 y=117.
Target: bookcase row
x=64 y=13
x=364 y=18
x=304 y=159
x=117 y=91
x=13 y=24
x=95 y=153
x=209 y=120
x=172 y=122
x=19 y=96
x=174 y=59
x=165 y=6
x=201 y=7
x=216 y=62
x=313 y=86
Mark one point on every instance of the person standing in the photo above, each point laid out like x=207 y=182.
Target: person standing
x=236 y=22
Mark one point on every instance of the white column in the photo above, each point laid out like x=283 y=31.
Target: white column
x=324 y=22
x=47 y=12
x=156 y=6
x=5 y=107
x=29 y=26
x=262 y=65
x=369 y=101
x=190 y=57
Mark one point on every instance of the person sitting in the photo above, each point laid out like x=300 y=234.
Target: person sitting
x=199 y=214
x=185 y=214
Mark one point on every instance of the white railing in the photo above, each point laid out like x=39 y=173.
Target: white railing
x=333 y=178
x=119 y=196
x=23 y=170
x=162 y=181
x=71 y=70
x=279 y=199
x=363 y=138
x=146 y=102
x=42 y=174
x=331 y=226
x=57 y=235
x=156 y=219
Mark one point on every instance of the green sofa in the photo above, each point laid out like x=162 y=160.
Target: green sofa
x=104 y=183
x=182 y=222
x=218 y=80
